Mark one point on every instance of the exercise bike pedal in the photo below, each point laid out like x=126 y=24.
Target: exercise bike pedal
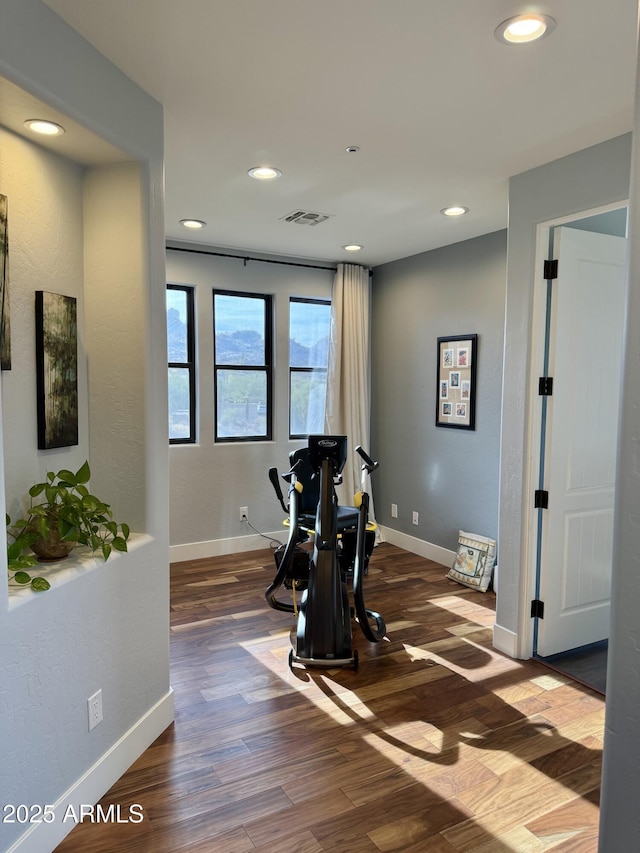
x=328 y=663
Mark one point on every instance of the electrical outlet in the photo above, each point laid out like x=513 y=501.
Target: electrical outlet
x=394 y=510
x=244 y=513
x=414 y=518
x=94 y=707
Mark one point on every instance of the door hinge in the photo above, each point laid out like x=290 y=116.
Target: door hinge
x=550 y=269
x=537 y=609
x=545 y=386
x=541 y=499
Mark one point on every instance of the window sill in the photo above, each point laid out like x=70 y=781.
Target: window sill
x=78 y=563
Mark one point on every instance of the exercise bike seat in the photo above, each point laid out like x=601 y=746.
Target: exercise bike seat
x=310 y=495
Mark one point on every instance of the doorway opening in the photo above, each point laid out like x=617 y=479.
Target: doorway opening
x=578 y=353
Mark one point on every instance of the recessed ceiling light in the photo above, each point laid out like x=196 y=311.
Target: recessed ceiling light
x=47 y=128
x=193 y=223
x=352 y=247
x=454 y=210
x=264 y=173
x=352 y=149
x=524 y=28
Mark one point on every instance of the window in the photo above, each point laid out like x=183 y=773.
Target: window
x=242 y=346
x=309 y=326
x=182 y=365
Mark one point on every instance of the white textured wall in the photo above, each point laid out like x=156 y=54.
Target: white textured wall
x=43 y=191
x=619 y=814
x=101 y=625
x=117 y=328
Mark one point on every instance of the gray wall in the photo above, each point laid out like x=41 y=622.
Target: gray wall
x=613 y=222
x=209 y=481
x=584 y=181
x=449 y=476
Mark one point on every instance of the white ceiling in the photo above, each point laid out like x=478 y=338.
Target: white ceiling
x=442 y=112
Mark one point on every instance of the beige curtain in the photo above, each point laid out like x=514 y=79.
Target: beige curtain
x=348 y=388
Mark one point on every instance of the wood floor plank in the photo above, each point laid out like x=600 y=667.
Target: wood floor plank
x=437 y=743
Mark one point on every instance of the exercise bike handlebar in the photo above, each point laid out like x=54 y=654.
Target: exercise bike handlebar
x=275 y=482
x=370 y=465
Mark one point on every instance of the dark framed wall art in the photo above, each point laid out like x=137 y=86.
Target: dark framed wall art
x=456 y=382
x=5 y=325
x=56 y=370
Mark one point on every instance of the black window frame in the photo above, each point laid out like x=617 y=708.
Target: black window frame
x=190 y=364
x=267 y=367
x=292 y=370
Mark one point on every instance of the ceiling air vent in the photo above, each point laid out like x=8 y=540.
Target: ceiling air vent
x=305 y=217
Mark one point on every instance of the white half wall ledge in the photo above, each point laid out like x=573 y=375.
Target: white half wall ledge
x=224 y=547
x=90 y=787
x=79 y=562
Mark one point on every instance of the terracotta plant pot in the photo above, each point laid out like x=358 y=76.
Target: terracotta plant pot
x=52 y=548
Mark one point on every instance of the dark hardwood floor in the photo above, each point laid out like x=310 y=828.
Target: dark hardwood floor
x=586 y=664
x=438 y=743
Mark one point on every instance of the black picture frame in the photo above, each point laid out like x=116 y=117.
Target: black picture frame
x=5 y=319
x=457 y=358
x=56 y=370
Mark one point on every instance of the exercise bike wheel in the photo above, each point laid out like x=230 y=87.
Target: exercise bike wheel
x=290 y=658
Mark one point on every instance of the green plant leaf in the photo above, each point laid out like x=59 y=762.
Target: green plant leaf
x=40 y=584
x=64 y=505
x=70 y=534
x=24 y=561
x=83 y=474
x=22 y=577
x=91 y=504
x=51 y=493
x=22 y=539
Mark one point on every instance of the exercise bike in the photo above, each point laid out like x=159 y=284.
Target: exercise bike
x=342 y=545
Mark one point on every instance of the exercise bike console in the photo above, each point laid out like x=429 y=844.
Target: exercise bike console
x=332 y=448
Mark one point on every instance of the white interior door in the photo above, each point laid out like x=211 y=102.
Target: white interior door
x=585 y=359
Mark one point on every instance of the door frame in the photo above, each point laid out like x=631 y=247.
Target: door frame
x=533 y=437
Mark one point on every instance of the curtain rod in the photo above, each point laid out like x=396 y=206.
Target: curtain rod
x=246 y=258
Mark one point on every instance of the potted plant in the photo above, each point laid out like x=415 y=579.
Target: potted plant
x=64 y=513
x=18 y=540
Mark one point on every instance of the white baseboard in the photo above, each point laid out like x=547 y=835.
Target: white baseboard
x=89 y=788
x=505 y=641
x=220 y=547
x=418 y=546
x=254 y=542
